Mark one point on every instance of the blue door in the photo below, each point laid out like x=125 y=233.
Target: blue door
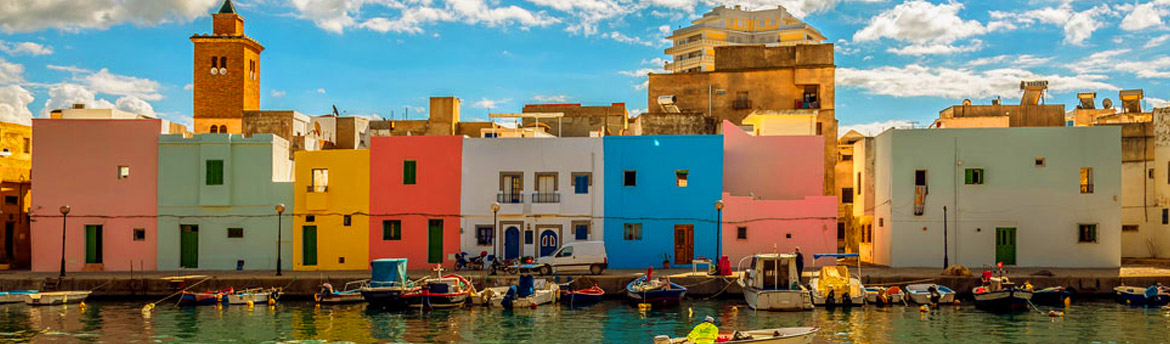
x=512 y=242
x=548 y=242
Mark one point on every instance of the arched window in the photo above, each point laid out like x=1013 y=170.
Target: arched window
x=214 y=129
x=223 y=129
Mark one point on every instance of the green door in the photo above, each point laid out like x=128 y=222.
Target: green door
x=189 y=246
x=1005 y=246
x=93 y=244
x=435 y=241
x=309 y=245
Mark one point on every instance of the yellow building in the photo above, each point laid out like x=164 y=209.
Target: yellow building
x=694 y=46
x=15 y=187
x=332 y=199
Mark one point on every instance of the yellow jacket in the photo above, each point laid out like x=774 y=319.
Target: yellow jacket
x=704 y=333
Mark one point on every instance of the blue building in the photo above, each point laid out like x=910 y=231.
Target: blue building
x=660 y=195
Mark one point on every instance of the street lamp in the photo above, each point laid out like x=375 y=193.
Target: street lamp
x=279 y=211
x=718 y=235
x=64 y=216
x=495 y=229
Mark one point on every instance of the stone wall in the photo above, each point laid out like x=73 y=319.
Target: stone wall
x=742 y=57
x=658 y=123
x=579 y=120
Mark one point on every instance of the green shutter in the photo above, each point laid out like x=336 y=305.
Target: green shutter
x=309 y=245
x=214 y=172
x=969 y=176
x=408 y=172
x=93 y=244
x=435 y=241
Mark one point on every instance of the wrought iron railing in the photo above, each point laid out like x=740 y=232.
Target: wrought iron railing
x=546 y=198
x=510 y=198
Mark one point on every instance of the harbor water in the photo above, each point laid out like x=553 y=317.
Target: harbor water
x=609 y=322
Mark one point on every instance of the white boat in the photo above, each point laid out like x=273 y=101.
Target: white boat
x=771 y=284
x=788 y=335
x=833 y=286
x=510 y=297
x=56 y=298
x=927 y=293
x=15 y=296
x=257 y=296
x=884 y=296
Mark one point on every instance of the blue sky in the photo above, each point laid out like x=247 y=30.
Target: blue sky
x=898 y=61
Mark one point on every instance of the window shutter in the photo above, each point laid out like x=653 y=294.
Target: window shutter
x=970 y=176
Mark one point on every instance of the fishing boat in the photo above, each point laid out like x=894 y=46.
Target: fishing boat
x=1155 y=295
x=999 y=294
x=351 y=293
x=446 y=291
x=207 y=298
x=789 y=335
x=884 y=296
x=770 y=283
x=528 y=292
x=56 y=298
x=389 y=288
x=930 y=293
x=15 y=296
x=834 y=286
x=1052 y=296
x=655 y=291
x=253 y=296
x=580 y=297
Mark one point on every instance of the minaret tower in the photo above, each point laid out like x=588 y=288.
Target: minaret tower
x=226 y=74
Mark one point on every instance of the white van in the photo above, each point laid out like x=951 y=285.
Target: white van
x=578 y=257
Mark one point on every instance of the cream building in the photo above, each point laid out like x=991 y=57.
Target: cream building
x=694 y=46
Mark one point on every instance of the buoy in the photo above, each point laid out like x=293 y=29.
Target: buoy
x=923 y=308
x=956 y=302
x=149 y=307
x=690 y=312
x=643 y=307
x=1067 y=302
x=271 y=301
x=251 y=304
x=1055 y=314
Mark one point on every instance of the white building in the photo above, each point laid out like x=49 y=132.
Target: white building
x=1040 y=197
x=549 y=191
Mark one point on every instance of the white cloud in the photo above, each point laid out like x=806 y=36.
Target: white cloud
x=63 y=96
x=1158 y=68
x=1078 y=26
x=76 y=15
x=874 y=128
x=1143 y=16
x=188 y=87
x=1156 y=102
x=134 y=105
x=70 y=69
x=936 y=49
x=320 y=91
x=14 y=101
x=1023 y=60
x=926 y=81
x=338 y=15
x=105 y=82
x=277 y=93
x=1109 y=61
x=11 y=73
x=485 y=103
x=920 y=22
x=25 y=48
x=622 y=38
x=560 y=98
x=644 y=71
x=1156 y=41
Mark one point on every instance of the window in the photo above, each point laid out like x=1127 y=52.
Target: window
x=11 y=199
x=320 y=182
x=1150 y=173
x=1040 y=162
x=881 y=222
x=391 y=230
x=632 y=231
x=1129 y=228
x=840 y=231
x=123 y=172
x=630 y=178
x=409 y=168
x=1087 y=234
x=214 y=172
x=1166 y=216
x=846 y=157
x=223 y=62
x=741 y=233
x=529 y=237
x=235 y=232
x=483 y=235
x=346 y=220
x=214 y=62
x=858 y=184
x=546 y=188
x=1086 y=180
x=819 y=128
x=847 y=195
x=511 y=187
x=566 y=252
x=973 y=176
x=27 y=145
x=139 y=234
x=310 y=218
x=214 y=129
x=223 y=129
x=680 y=178
x=581 y=182
x=920 y=178
x=581 y=230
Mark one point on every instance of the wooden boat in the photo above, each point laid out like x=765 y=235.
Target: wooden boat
x=789 y=335
x=207 y=298
x=770 y=283
x=1155 y=295
x=1052 y=296
x=999 y=294
x=655 y=291
x=884 y=296
x=56 y=298
x=350 y=294
x=528 y=293
x=15 y=296
x=389 y=288
x=930 y=293
x=445 y=292
x=580 y=297
x=255 y=296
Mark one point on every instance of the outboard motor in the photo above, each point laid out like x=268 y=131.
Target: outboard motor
x=831 y=299
x=846 y=300
x=935 y=296
x=509 y=298
x=526 y=286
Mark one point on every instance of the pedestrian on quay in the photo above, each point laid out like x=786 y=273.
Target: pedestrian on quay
x=799 y=265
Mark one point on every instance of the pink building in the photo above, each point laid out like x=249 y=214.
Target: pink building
x=772 y=196
x=106 y=171
x=414 y=198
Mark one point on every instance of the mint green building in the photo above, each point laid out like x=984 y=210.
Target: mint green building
x=216 y=200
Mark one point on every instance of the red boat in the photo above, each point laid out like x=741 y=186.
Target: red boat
x=189 y=299
x=586 y=296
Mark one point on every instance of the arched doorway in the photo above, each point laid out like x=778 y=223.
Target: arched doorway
x=548 y=242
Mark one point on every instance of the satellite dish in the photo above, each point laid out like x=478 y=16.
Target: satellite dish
x=223 y=71
x=214 y=71
x=1107 y=104
x=966 y=102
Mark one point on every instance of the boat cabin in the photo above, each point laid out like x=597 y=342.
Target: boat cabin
x=773 y=272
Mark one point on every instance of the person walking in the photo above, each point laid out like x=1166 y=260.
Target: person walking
x=799 y=265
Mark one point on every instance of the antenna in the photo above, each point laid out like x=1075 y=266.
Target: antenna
x=335 y=111
x=407 y=113
x=1107 y=103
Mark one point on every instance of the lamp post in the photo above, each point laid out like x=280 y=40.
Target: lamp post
x=64 y=216
x=495 y=229
x=279 y=237
x=718 y=235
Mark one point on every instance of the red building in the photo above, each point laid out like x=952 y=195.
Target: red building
x=414 y=198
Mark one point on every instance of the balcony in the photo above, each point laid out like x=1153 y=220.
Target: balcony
x=697 y=61
x=694 y=44
x=510 y=198
x=546 y=198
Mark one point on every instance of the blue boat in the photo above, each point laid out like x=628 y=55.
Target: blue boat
x=1155 y=295
x=15 y=296
x=657 y=291
x=581 y=297
x=389 y=288
x=1052 y=296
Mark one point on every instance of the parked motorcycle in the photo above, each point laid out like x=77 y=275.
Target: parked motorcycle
x=474 y=263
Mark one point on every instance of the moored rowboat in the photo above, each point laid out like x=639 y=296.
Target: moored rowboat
x=15 y=296
x=56 y=298
x=789 y=335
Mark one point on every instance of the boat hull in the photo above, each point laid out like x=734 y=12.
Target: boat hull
x=796 y=335
x=496 y=298
x=668 y=295
x=1012 y=300
x=1051 y=297
x=56 y=298
x=244 y=298
x=188 y=299
x=1136 y=296
x=392 y=298
x=580 y=299
x=890 y=299
x=340 y=298
x=444 y=300
x=778 y=300
x=15 y=296
x=920 y=293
